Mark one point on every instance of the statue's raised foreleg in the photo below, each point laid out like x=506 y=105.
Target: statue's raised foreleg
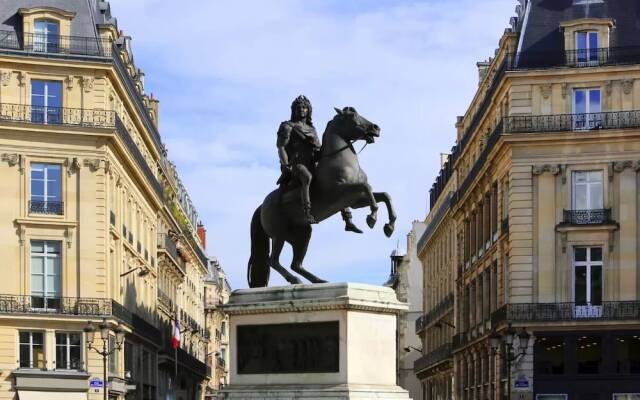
x=274 y=261
x=300 y=244
x=386 y=199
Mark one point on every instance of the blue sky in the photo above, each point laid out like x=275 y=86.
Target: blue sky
x=226 y=72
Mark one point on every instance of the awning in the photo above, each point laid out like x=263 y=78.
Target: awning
x=33 y=395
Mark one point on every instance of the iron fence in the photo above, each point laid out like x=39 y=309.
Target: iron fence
x=572 y=122
x=587 y=217
x=46 y=207
x=575 y=58
x=434 y=313
x=57 y=116
x=166 y=243
x=34 y=304
x=55 y=44
x=549 y=312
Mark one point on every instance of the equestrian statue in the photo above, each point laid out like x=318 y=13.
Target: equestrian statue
x=317 y=181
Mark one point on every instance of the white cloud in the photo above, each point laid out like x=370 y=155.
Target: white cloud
x=226 y=72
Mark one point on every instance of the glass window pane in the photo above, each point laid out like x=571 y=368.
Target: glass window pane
x=580 y=253
x=24 y=337
x=53 y=247
x=52 y=28
x=589 y=354
x=596 y=254
x=581 y=40
x=38 y=356
x=37 y=89
x=593 y=40
x=74 y=339
x=54 y=94
x=581 y=285
x=596 y=285
x=549 y=355
x=37 y=246
x=37 y=337
x=37 y=189
x=580 y=102
x=594 y=101
x=74 y=357
x=628 y=354
x=595 y=196
x=37 y=265
x=37 y=171
x=25 y=362
x=61 y=356
x=594 y=176
x=37 y=284
x=40 y=26
x=580 y=197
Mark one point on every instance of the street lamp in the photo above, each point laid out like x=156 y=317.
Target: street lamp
x=496 y=339
x=105 y=330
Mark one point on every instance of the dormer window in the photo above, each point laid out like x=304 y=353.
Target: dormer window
x=46 y=36
x=587 y=47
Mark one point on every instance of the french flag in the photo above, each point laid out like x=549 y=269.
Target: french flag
x=175 y=340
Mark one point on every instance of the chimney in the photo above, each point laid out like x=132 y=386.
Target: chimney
x=483 y=68
x=459 y=128
x=154 y=110
x=202 y=235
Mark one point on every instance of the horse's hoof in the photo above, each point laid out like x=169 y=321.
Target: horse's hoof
x=388 y=230
x=371 y=221
x=294 y=280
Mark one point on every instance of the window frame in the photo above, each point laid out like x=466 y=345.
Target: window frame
x=46 y=256
x=46 y=197
x=589 y=308
x=589 y=184
x=67 y=346
x=589 y=119
x=50 y=42
x=587 y=58
x=46 y=111
x=32 y=363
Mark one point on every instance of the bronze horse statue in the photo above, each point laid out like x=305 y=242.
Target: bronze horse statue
x=338 y=183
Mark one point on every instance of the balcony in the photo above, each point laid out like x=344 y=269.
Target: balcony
x=165 y=300
x=55 y=44
x=21 y=113
x=572 y=122
x=112 y=218
x=437 y=356
x=24 y=304
x=46 y=207
x=552 y=312
x=587 y=217
x=434 y=313
x=575 y=58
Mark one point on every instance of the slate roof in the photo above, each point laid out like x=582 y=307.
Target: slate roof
x=89 y=13
x=541 y=32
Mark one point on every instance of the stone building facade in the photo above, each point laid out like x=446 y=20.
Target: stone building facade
x=217 y=291
x=534 y=217
x=96 y=224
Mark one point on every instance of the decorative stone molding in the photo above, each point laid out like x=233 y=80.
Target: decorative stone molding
x=22 y=78
x=87 y=83
x=620 y=166
x=546 y=90
x=5 y=78
x=73 y=165
x=611 y=241
x=69 y=82
x=92 y=163
x=565 y=90
x=610 y=172
x=563 y=241
x=627 y=86
x=68 y=236
x=12 y=159
x=541 y=169
x=563 y=173
x=608 y=87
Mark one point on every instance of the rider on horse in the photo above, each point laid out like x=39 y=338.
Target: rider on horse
x=299 y=151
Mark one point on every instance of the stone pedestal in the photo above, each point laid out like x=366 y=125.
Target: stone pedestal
x=323 y=341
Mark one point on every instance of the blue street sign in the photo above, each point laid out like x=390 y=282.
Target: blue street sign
x=521 y=382
x=95 y=383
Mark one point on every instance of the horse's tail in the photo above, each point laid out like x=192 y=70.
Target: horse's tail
x=258 y=268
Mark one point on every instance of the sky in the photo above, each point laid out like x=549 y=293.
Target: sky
x=226 y=72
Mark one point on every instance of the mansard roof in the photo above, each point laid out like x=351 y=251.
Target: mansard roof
x=541 y=32
x=88 y=14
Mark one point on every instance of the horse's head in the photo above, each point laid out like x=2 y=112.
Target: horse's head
x=353 y=126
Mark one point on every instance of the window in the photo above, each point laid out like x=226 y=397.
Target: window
x=587 y=264
x=45 y=274
x=589 y=354
x=628 y=354
x=113 y=357
x=223 y=328
x=46 y=189
x=68 y=351
x=46 y=37
x=587 y=107
x=588 y=191
x=549 y=355
x=626 y=396
x=32 y=350
x=587 y=47
x=46 y=100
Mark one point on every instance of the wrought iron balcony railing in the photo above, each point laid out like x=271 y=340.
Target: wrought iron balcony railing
x=440 y=354
x=46 y=207
x=112 y=218
x=550 y=312
x=57 y=116
x=576 y=58
x=504 y=225
x=55 y=44
x=165 y=300
x=587 y=217
x=572 y=122
x=35 y=304
x=434 y=313
x=166 y=243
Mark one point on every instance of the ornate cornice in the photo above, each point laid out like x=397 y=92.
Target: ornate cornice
x=620 y=166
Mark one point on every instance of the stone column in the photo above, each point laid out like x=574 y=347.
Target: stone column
x=628 y=219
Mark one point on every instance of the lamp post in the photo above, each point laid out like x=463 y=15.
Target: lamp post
x=105 y=330
x=496 y=339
